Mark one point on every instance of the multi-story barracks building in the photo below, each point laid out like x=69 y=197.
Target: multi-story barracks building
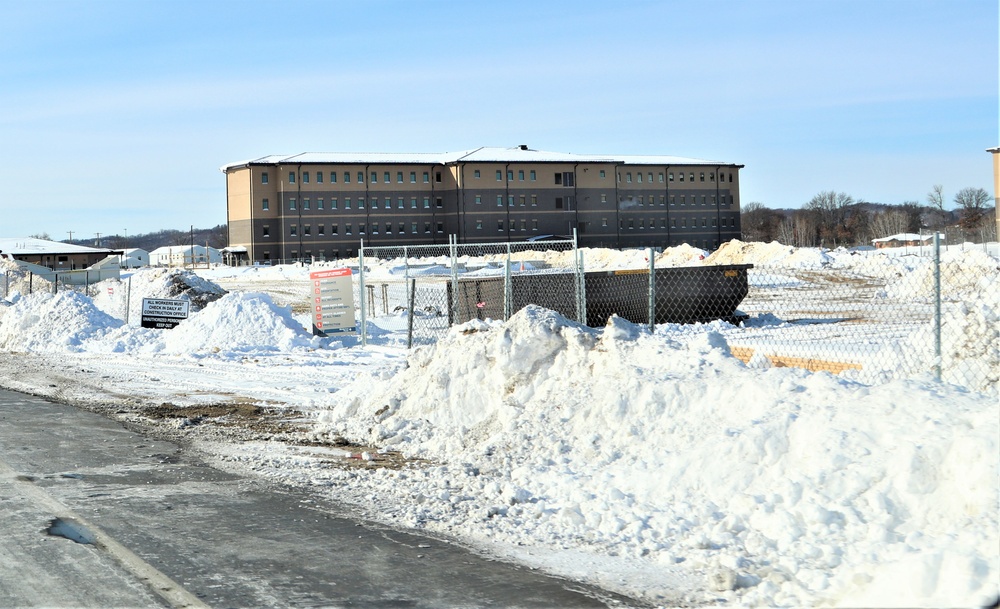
x=321 y=205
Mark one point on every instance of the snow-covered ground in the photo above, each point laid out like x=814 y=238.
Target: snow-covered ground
x=658 y=464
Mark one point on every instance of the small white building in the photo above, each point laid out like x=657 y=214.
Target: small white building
x=134 y=257
x=184 y=255
x=905 y=240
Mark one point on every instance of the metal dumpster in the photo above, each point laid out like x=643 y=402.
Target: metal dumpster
x=682 y=294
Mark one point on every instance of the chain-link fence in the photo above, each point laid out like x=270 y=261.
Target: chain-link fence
x=932 y=314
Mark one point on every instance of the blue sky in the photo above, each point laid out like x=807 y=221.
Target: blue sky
x=116 y=115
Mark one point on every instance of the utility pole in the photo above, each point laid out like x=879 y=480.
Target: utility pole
x=70 y=234
x=98 y=239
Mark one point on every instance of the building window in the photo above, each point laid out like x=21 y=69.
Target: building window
x=427 y=227
x=292 y=205
x=427 y=204
x=333 y=229
x=348 y=230
x=305 y=177
x=640 y=200
x=532 y=175
x=604 y=222
x=692 y=176
x=347 y=202
x=413 y=202
x=680 y=176
x=438 y=202
x=333 y=203
x=559 y=202
x=385 y=177
x=333 y=177
x=413 y=227
x=293 y=230
x=319 y=177
x=374 y=177
x=413 y=177
x=440 y=227
x=500 y=225
x=499 y=176
x=638 y=177
x=361 y=229
x=479 y=225
x=265 y=231
x=628 y=177
x=534 y=225
x=510 y=200
x=427 y=178
x=520 y=200
x=661 y=177
x=520 y=175
x=388 y=228
x=400 y=204
x=499 y=200
x=702 y=176
x=263 y=177
x=305 y=203
x=361 y=177
x=361 y=202
x=319 y=203
x=437 y=178
x=642 y=224
x=672 y=201
x=524 y=225
x=374 y=204
x=399 y=178
x=631 y=224
x=534 y=200
x=307 y=230
x=479 y=199
x=510 y=175
x=388 y=202
x=265 y=205
x=476 y=174
x=603 y=174
x=291 y=177
x=347 y=177
x=650 y=174
x=711 y=176
x=670 y=176
x=663 y=200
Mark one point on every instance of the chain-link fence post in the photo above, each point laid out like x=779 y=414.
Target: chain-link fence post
x=411 y=284
x=507 y=291
x=652 y=290
x=128 y=298
x=453 y=247
x=581 y=286
x=361 y=296
x=937 y=306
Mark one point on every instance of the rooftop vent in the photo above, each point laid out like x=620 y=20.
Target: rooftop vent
x=523 y=146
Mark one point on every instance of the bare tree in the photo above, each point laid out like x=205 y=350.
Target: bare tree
x=830 y=211
x=760 y=223
x=891 y=221
x=972 y=208
x=936 y=197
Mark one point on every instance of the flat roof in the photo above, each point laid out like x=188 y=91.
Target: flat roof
x=486 y=154
x=22 y=246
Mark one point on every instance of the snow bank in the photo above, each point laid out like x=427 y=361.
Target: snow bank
x=239 y=323
x=779 y=486
x=113 y=294
x=53 y=322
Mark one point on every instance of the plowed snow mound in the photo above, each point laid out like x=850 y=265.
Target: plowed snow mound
x=239 y=323
x=54 y=322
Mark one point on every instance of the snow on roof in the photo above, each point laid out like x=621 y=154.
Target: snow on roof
x=486 y=154
x=30 y=245
x=906 y=237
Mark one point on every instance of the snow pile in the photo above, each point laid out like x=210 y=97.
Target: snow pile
x=53 y=322
x=778 y=486
x=681 y=255
x=239 y=323
x=173 y=283
x=962 y=275
x=17 y=281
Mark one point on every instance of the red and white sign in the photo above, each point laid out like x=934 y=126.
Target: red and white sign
x=332 y=301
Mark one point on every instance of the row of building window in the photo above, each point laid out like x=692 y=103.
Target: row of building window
x=522 y=200
x=565 y=178
x=293 y=230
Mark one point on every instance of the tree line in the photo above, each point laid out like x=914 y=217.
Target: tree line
x=836 y=219
x=217 y=237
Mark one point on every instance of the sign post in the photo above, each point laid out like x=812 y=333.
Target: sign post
x=163 y=313
x=332 y=302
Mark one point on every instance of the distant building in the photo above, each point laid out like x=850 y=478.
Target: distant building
x=321 y=205
x=184 y=255
x=905 y=240
x=134 y=257
x=53 y=254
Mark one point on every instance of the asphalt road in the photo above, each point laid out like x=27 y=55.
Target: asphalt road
x=95 y=515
